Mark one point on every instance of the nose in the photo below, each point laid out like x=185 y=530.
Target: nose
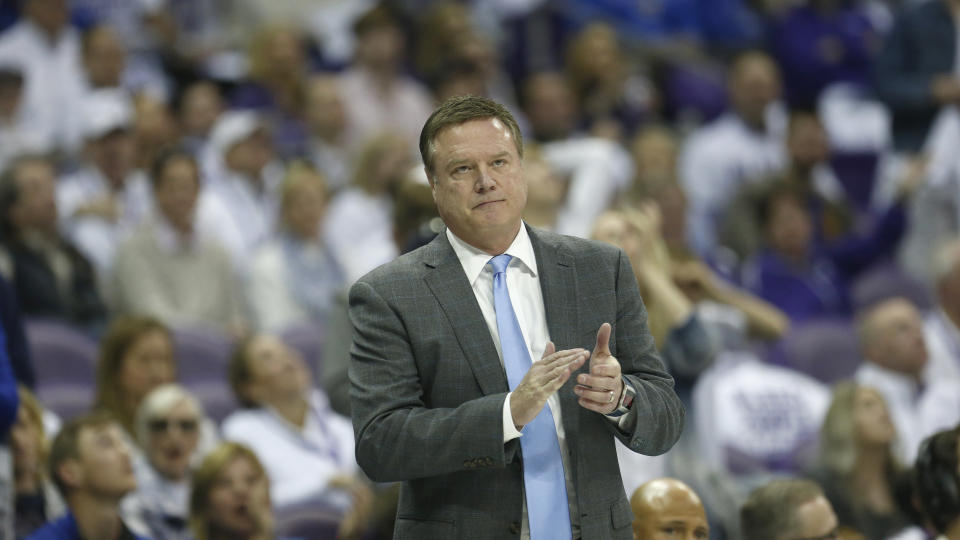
x=484 y=182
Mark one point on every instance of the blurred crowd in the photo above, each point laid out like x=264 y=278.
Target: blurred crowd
x=189 y=187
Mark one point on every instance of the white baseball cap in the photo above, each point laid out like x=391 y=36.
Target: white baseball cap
x=105 y=111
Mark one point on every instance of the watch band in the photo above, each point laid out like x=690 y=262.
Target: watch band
x=626 y=400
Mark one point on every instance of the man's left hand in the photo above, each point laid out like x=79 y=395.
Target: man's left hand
x=600 y=390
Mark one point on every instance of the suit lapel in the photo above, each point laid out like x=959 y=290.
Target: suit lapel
x=558 y=284
x=450 y=287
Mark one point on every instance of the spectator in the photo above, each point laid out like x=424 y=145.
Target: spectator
x=294 y=278
x=49 y=276
x=739 y=148
x=857 y=467
x=666 y=507
x=786 y=509
x=103 y=202
x=614 y=97
x=277 y=86
x=915 y=72
x=104 y=58
x=807 y=168
x=377 y=95
x=230 y=496
x=800 y=276
x=90 y=463
x=326 y=116
x=243 y=182
x=822 y=42
x=172 y=268
x=19 y=132
x=36 y=500
x=200 y=105
x=595 y=170
x=154 y=128
x=358 y=227
x=274 y=385
x=937 y=480
x=168 y=426
x=53 y=74
x=136 y=356
x=545 y=190
x=895 y=356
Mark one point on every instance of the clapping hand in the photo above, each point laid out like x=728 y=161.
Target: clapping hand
x=600 y=389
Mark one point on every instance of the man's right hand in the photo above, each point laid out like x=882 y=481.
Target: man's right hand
x=545 y=377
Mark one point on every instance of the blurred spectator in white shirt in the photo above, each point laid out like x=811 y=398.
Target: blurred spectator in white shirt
x=326 y=116
x=359 y=224
x=53 y=72
x=198 y=110
x=294 y=278
x=742 y=146
x=241 y=197
x=19 y=133
x=103 y=202
x=378 y=96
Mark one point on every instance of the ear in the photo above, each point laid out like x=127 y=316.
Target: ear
x=71 y=473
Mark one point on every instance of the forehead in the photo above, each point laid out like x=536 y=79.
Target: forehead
x=90 y=434
x=474 y=137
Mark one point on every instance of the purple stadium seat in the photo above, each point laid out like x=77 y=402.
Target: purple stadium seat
x=825 y=349
x=202 y=354
x=65 y=361
x=216 y=397
x=888 y=281
x=307 y=521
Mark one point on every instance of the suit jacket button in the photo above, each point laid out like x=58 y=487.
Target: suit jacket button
x=515 y=527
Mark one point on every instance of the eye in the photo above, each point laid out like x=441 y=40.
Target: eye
x=462 y=169
x=499 y=162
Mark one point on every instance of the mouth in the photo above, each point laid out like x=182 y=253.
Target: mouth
x=487 y=203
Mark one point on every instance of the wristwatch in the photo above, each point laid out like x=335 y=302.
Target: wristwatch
x=626 y=400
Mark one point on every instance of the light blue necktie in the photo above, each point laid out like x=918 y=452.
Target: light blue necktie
x=543 y=480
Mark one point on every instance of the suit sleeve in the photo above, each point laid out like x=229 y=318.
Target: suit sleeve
x=656 y=418
x=398 y=437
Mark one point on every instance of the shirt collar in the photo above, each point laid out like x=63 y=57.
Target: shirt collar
x=474 y=260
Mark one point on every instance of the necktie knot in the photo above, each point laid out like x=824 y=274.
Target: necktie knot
x=500 y=263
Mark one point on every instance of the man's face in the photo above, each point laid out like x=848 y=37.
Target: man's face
x=171 y=440
x=898 y=342
x=755 y=84
x=807 y=142
x=276 y=371
x=675 y=515
x=478 y=182
x=815 y=520
x=36 y=206
x=104 y=58
x=103 y=462
x=550 y=106
x=114 y=154
x=177 y=193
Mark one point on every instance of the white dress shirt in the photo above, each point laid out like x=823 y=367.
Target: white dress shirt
x=943 y=347
x=523 y=284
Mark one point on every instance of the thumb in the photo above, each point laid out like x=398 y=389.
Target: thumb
x=549 y=349
x=603 y=342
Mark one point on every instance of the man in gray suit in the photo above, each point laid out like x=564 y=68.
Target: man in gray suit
x=438 y=400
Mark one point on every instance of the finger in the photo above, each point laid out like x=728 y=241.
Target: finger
x=597 y=383
x=549 y=349
x=602 y=408
x=608 y=369
x=603 y=341
x=598 y=397
x=564 y=370
x=564 y=356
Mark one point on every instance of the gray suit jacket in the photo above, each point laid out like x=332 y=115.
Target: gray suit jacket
x=427 y=390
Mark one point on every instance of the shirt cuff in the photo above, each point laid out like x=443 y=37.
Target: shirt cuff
x=509 y=429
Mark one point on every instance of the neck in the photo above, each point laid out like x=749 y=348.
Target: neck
x=757 y=124
x=871 y=462
x=801 y=172
x=96 y=518
x=293 y=410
